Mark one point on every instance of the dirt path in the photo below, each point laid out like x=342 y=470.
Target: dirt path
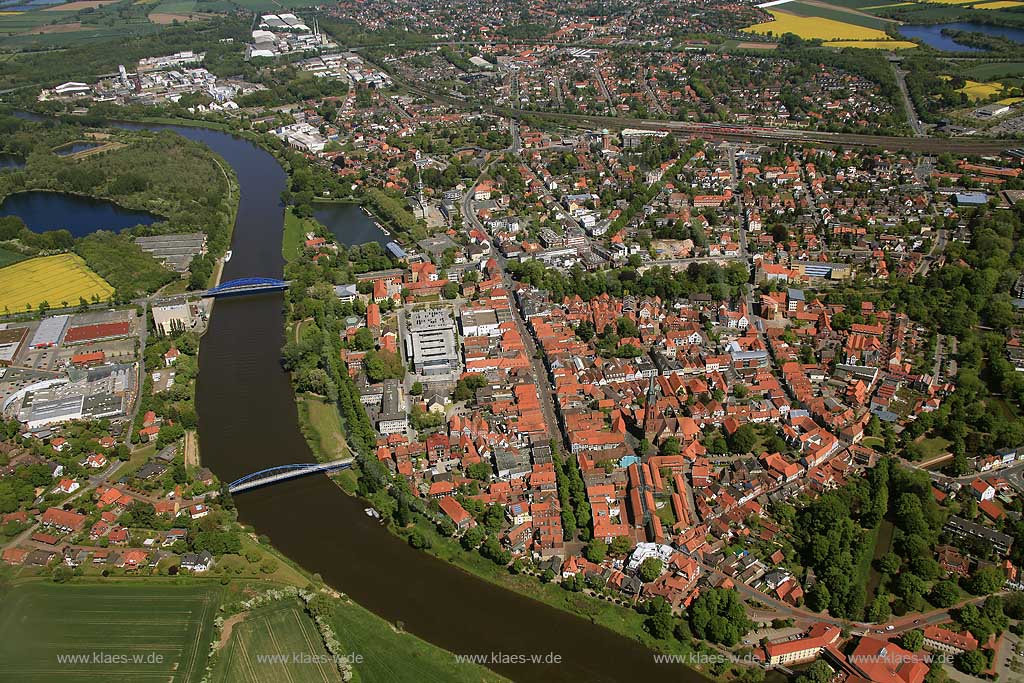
x=191 y=451
x=229 y=625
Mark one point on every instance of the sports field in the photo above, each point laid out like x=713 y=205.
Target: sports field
x=106 y=632
x=54 y=279
x=262 y=646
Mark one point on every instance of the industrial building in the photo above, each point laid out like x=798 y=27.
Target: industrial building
x=50 y=332
x=174 y=251
x=431 y=343
x=11 y=341
x=103 y=392
x=175 y=316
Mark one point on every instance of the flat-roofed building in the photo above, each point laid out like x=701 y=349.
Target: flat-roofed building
x=966 y=528
x=175 y=316
x=50 y=331
x=481 y=322
x=431 y=343
x=11 y=341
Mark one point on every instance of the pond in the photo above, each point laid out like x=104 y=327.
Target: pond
x=81 y=216
x=10 y=161
x=75 y=148
x=349 y=223
x=931 y=34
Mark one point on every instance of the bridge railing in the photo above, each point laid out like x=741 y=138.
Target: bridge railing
x=283 y=472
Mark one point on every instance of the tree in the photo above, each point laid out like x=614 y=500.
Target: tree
x=671 y=446
x=417 y=388
x=472 y=538
x=62 y=573
x=363 y=339
x=912 y=640
x=986 y=580
x=718 y=615
x=479 y=470
x=817 y=672
x=944 y=594
x=890 y=563
x=743 y=439
x=418 y=540
x=621 y=545
x=971 y=662
x=596 y=550
x=650 y=569
x=660 y=624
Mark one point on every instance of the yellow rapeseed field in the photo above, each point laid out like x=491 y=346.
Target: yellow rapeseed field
x=815 y=27
x=54 y=279
x=981 y=91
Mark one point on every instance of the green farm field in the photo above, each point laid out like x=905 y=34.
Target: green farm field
x=282 y=629
x=992 y=70
x=99 y=624
x=835 y=13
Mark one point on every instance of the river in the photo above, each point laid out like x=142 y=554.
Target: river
x=248 y=421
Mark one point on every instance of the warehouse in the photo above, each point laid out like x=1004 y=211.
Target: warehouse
x=50 y=332
x=430 y=343
x=11 y=340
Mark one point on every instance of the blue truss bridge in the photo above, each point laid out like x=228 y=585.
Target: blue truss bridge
x=247 y=285
x=272 y=475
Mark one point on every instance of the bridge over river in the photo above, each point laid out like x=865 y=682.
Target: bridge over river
x=272 y=475
x=247 y=285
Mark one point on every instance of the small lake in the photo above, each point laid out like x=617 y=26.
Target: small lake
x=10 y=161
x=931 y=34
x=75 y=148
x=81 y=216
x=349 y=223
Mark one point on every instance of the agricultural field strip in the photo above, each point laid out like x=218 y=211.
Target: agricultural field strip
x=54 y=279
x=173 y=624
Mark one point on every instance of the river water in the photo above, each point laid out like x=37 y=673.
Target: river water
x=248 y=421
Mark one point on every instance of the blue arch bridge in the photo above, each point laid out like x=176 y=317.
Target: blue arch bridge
x=247 y=285
x=272 y=475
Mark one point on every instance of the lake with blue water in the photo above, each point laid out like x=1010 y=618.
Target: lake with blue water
x=81 y=216
x=75 y=148
x=931 y=34
x=10 y=161
x=349 y=223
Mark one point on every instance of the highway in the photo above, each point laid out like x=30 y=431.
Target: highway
x=908 y=105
